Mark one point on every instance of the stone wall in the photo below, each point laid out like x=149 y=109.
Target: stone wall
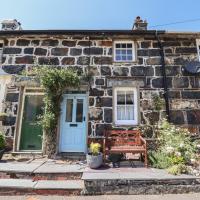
x=95 y=54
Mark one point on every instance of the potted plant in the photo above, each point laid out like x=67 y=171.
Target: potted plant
x=3 y=116
x=94 y=157
x=2 y=145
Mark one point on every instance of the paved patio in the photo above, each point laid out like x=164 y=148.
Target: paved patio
x=62 y=176
x=106 y=172
x=41 y=166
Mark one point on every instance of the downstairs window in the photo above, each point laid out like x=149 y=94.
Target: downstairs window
x=126 y=106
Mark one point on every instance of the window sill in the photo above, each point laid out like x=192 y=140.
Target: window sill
x=125 y=125
x=124 y=62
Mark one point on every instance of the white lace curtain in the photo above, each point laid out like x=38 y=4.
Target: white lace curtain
x=125 y=105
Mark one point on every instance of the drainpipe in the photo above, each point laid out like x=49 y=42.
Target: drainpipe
x=166 y=94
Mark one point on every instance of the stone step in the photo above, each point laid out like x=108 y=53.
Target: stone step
x=73 y=156
x=41 y=171
x=26 y=186
x=137 y=181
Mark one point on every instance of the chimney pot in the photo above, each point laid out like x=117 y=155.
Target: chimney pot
x=10 y=25
x=140 y=24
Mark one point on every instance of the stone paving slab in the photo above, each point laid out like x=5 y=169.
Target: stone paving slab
x=17 y=183
x=19 y=167
x=69 y=184
x=47 y=184
x=50 y=167
x=132 y=174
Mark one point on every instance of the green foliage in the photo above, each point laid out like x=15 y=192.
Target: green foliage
x=2 y=141
x=95 y=148
x=175 y=147
x=178 y=169
x=54 y=81
x=158 y=102
x=3 y=115
x=159 y=160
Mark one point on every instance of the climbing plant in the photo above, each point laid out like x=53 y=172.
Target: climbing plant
x=54 y=81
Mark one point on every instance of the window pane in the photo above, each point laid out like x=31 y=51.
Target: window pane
x=121 y=112
x=129 y=97
x=124 y=58
x=129 y=45
x=118 y=57
x=129 y=52
x=129 y=58
x=129 y=112
x=123 y=52
x=33 y=107
x=120 y=98
x=124 y=46
x=118 y=52
x=69 y=110
x=79 y=110
x=117 y=45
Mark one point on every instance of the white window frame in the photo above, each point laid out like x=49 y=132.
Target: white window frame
x=198 y=48
x=133 y=50
x=136 y=116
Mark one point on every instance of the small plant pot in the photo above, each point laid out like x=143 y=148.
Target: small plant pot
x=94 y=162
x=3 y=117
x=1 y=153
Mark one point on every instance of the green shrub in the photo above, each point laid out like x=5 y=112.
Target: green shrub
x=159 y=160
x=175 y=148
x=2 y=141
x=177 y=169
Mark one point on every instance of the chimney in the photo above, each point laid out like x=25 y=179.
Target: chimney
x=10 y=25
x=140 y=24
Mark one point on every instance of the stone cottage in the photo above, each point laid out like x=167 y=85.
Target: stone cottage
x=139 y=76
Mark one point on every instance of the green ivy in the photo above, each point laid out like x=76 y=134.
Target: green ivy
x=2 y=141
x=158 y=102
x=54 y=81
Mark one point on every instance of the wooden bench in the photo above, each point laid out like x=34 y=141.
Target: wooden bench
x=124 y=141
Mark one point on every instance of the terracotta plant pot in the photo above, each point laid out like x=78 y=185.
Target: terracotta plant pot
x=1 y=153
x=94 y=162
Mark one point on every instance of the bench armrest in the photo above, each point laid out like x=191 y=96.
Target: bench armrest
x=143 y=140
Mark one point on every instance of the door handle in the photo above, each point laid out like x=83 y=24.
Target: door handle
x=83 y=118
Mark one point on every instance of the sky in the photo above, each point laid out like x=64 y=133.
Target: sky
x=102 y=14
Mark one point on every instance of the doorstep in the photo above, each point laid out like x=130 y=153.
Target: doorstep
x=21 y=187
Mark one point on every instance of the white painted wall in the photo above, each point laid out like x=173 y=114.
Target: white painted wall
x=4 y=80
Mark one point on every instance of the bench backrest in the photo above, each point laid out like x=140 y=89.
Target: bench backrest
x=122 y=137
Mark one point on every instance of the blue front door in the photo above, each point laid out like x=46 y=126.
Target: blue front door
x=73 y=120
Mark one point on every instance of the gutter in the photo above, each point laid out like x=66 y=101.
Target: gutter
x=79 y=32
x=165 y=87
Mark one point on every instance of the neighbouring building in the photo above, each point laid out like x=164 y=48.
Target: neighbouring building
x=131 y=70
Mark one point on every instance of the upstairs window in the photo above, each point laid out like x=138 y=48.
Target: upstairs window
x=198 y=48
x=124 y=51
x=126 y=106
x=1 y=51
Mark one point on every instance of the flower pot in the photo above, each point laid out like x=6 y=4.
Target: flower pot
x=3 y=117
x=94 y=162
x=1 y=153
